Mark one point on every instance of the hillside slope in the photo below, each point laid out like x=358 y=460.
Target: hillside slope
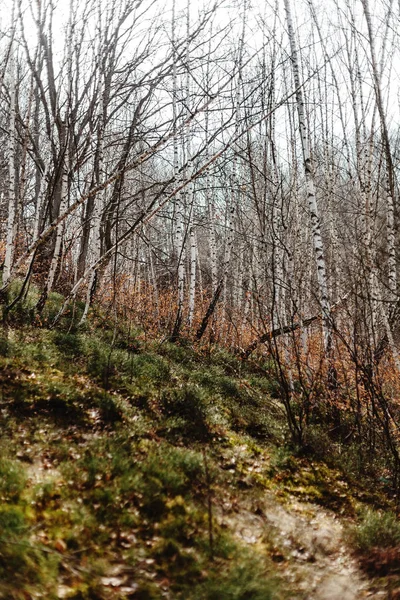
x=145 y=470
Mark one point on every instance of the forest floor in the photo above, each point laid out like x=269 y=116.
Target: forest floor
x=144 y=470
x=310 y=541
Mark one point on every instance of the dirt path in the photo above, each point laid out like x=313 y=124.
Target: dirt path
x=308 y=546
x=306 y=542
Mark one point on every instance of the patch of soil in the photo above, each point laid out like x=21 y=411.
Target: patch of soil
x=306 y=543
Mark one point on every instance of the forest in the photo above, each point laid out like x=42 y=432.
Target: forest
x=199 y=299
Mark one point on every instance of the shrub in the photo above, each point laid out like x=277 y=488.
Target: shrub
x=377 y=529
x=23 y=310
x=12 y=480
x=52 y=307
x=231 y=364
x=69 y=344
x=6 y=347
x=177 y=353
x=20 y=560
x=377 y=542
x=246 y=579
x=189 y=405
x=150 y=367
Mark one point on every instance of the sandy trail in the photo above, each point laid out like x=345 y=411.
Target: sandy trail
x=311 y=552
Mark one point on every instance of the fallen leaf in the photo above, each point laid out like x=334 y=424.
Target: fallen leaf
x=63 y=591
x=129 y=589
x=60 y=545
x=112 y=581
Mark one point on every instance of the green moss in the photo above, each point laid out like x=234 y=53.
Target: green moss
x=118 y=475
x=12 y=480
x=310 y=480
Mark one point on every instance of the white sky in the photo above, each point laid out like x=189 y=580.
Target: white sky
x=335 y=27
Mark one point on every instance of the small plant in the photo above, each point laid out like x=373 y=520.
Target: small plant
x=246 y=579
x=21 y=561
x=377 y=529
x=177 y=353
x=188 y=404
x=69 y=344
x=283 y=459
x=6 y=347
x=12 y=480
x=377 y=542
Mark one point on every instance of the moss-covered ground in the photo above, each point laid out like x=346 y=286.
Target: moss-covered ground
x=118 y=458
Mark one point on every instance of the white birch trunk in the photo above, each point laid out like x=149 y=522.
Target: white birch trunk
x=390 y=189
x=234 y=196
x=212 y=236
x=179 y=204
x=200 y=277
x=188 y=174
x=96 y=251
x=55 y=261
x=238 y=279
x=12 y=200
x=278 y=316
x=100 y=199
x=209 y=194
x=153 y=280
x=192 y=285
x=312 y=201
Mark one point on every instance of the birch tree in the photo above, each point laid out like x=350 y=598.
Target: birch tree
x=12 y=198
x=309 y=176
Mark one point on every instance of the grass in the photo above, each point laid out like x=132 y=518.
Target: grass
x=111 y=469
x=377 y=529
x=118 y=456
x=247 y=580
x=376 y=542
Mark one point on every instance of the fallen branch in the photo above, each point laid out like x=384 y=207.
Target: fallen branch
x=273 y=333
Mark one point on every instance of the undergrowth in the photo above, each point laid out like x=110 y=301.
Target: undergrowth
x=117 y=447
x=376 y=541
x=118 y=455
